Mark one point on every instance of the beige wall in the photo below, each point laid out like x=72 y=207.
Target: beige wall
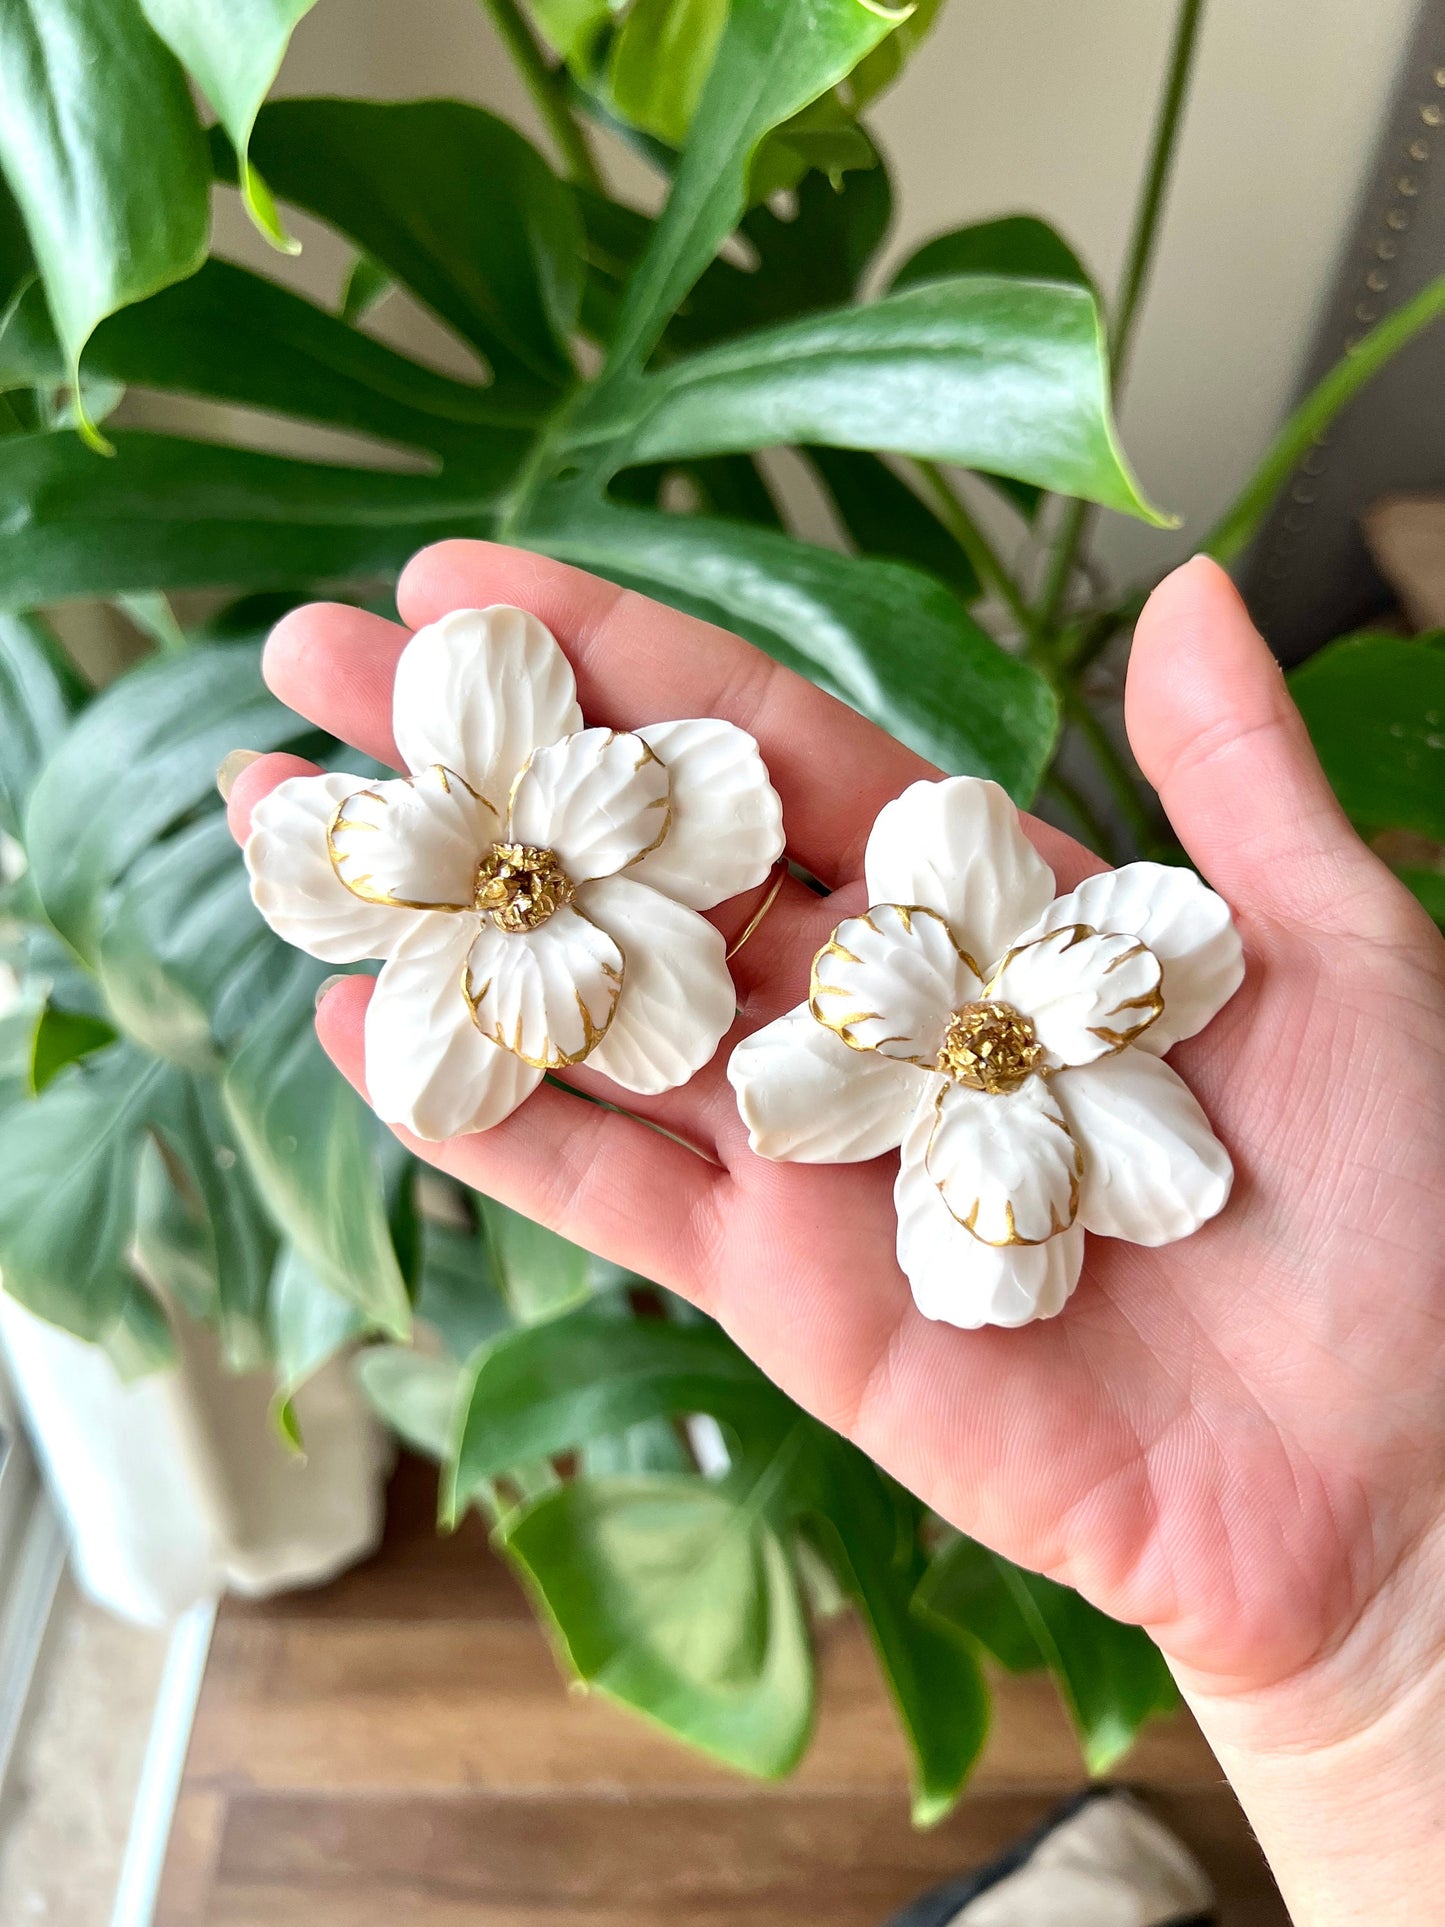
x=1047 y=104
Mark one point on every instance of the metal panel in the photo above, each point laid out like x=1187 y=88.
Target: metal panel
x=1308 y=576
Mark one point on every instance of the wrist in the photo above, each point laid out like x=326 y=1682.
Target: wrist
x=1341 y=1767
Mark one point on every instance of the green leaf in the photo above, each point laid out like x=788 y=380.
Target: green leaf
x=62 y=1037
x=877 y=71
x=992 y=373
x=367 y=284
x=732 y=486
x=812 y=259
x=102 y=149
x=539 y=1273
x=1112 y=1677
x=30 y=354
x=1375 y=709
x=309 y=1324
x=659 y=61
x=138 y=759
x=172 y=1242
x=775 y=56
x=677 y=1598
x=458 y=1295
x=1242 y=520
x=414 y=1394
x=452 y=203
x=886 y=520
x=547 y=1389
x=233 y=52
x=311 y=1146
x=1018 y=245
x=184 y=960
x=869 y=1532
x=17 y=261
x=231 y=335
x=890 y=641
x=67 y=1206
x=153 y=615
x=824 y=136
x=39 y=694
x=614 y=238
x=242 y=1236
x=176 y=514
x=964 y=1589
x=200 y=1235
x=571 y=27
x=141 y=1340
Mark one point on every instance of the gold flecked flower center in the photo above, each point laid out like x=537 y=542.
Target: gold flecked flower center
x=989 y=1047
x=520 y=886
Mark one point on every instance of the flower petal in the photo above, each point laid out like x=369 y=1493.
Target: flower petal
x=1087 y=994
x=956 y=1278
x=478 y=691
x=1153 y=1169
x=1184 y=923
x=957 y=847
x=727 y=819
x=598 y=800
x=1005 y=1164
x=294 y=886
x=546 y=994
x=428 y=1067
x=888 y=980
x=677 y=1002
x=807 y=1098
x=412 y=843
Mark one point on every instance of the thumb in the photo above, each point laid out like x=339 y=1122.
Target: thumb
x=1215 y=731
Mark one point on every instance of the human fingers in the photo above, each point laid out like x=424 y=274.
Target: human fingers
x=597 y=1177
x=1216 y=732
x=335 y=665
x=256 y=780
x=638 y=661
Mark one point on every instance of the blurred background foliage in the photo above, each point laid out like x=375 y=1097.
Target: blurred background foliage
x=173 y=1144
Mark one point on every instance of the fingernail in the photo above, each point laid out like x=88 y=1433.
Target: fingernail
x=329 y=983
x=230 y=769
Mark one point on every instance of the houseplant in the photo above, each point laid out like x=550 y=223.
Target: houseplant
x=172 y=1142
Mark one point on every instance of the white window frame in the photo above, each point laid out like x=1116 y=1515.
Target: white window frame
x=32 y=1558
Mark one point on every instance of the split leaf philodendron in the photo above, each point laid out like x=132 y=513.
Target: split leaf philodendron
x=173 y=1142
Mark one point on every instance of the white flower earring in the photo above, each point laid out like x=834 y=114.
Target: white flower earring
x=534 y=886
x=1011 y=1043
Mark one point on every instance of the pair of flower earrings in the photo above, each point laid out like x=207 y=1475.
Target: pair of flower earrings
x=536 y=890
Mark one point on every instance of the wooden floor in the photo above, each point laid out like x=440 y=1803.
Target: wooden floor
x=398 y=1747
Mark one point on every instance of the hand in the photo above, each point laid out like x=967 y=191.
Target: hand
x=1235 y=1440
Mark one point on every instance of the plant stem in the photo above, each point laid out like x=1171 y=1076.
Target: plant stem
x=1061 y=565
x=548 y=88
x=1142 y=241
x=1156 y=182
x=1315 y=413
x=1113 y=767
x=955 y=517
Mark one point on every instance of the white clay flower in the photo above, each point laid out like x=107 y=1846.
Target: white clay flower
x=534 y=886
x=1011 y=1042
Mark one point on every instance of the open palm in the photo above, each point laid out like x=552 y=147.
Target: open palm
x=1234 y=1440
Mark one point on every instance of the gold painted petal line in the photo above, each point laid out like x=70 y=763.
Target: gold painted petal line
x=750 y=928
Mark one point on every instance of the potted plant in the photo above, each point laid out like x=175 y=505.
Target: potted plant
x=173 y=1144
